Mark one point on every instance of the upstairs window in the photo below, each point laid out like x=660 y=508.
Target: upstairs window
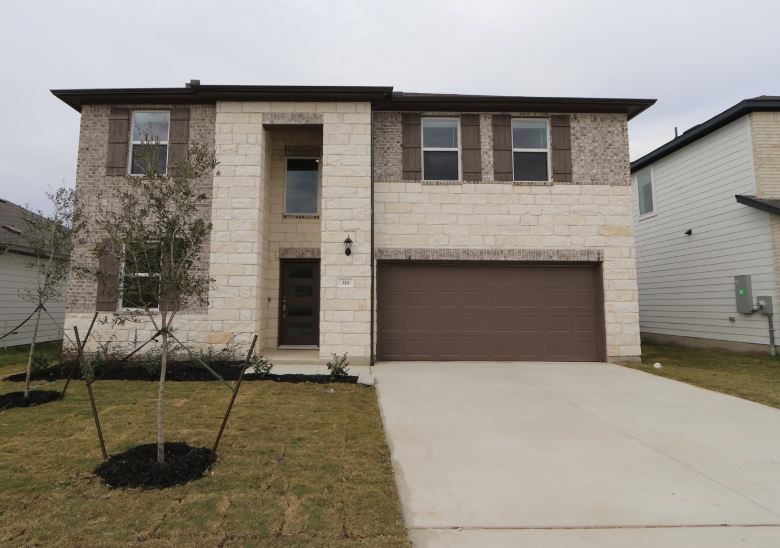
x=644 y=185
x=441 y=149
x=150 y=128
x=301 y=189
x=141 y=280
x=530 y=150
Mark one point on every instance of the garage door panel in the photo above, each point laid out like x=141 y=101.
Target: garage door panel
x=484 y=311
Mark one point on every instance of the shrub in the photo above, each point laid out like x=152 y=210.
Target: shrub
x=261 y=364
x=39 y=363
x=94 y=365
x=227 y=354
x=338 y=366
x=150 y=361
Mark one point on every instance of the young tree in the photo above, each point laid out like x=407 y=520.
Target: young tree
x=49 y=240
x=157 y=230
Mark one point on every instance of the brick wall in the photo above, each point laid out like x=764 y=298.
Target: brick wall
x=599 y=147
x=98 y=192
x=765 y=135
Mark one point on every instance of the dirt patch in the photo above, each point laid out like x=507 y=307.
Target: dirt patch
x=37 y=397
x=138 y=466
x=176 y=371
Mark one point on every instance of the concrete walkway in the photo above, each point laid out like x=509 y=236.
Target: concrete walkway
x=563 y=455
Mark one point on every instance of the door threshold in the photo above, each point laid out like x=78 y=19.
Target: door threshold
x=297 y=347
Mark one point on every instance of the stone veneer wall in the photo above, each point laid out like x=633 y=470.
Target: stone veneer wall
x=96 y=190
x=242 y=188
x=765 y=135
x=524 y=221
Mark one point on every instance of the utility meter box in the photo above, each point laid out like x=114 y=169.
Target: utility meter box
x=765 y=304
x=743 y=291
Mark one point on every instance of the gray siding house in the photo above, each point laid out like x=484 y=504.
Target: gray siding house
x=706 y=211
x=389 y=225
x=15 y=277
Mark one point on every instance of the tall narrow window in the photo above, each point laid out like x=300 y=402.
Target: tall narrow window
x=440 y=149
x=644 y=185
x=530 y=150
x=301 y=191
x=149 y=143
x=141 y=280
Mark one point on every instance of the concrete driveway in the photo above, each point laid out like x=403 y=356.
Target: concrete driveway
x=577 y=454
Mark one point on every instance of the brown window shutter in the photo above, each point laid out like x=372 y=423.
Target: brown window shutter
x=179 y=138
x=411 y=137
x=118 y=141
x=502 y=147
x=108 y=279
x=471 y=147
x=561 y=148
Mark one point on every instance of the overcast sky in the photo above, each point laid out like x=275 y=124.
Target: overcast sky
x=696 y=57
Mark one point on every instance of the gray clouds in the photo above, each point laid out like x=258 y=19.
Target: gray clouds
x=696 y=58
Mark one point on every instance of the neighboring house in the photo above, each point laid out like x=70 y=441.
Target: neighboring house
x=706 y=211
x=16 y=276
x=467 y=227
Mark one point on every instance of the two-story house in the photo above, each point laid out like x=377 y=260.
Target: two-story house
x=392 y=226
x=708 y=231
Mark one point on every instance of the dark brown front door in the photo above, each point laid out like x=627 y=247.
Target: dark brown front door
x=489 y=311
x=299 y=303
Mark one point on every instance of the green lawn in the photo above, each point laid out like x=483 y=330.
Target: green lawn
x=296 y=467
x=14 y=358
x=751 y=377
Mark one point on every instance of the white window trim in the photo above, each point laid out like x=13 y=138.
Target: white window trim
x=121 y=292
x=548 y=150
x=423 y=148
x=130 y=148
x=319 y=186
x=653 y=212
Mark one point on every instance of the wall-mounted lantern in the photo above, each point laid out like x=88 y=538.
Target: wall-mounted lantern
x=348 y=246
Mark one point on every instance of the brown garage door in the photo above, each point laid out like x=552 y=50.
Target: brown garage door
x=479 y=311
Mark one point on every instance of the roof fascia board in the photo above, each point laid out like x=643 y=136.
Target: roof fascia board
x=705 y=128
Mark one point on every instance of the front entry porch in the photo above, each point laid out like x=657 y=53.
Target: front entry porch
x=286 y=356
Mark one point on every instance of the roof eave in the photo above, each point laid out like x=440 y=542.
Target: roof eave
x=381 y=97
x=488 y=103
x=739 y=110
x=76 y=98
x=757 y=203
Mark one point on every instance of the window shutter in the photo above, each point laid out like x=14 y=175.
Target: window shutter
x=411 y=137
x=108 y=280
x=561 y=148
x=179 y=137
x=118 y=141
x=502 y=147
x=471 y=147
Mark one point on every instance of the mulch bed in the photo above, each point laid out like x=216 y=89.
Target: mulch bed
x=37 y=397
x=138 y=467
x=176 y=371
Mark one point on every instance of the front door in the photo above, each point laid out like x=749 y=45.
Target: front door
x=299 y=303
